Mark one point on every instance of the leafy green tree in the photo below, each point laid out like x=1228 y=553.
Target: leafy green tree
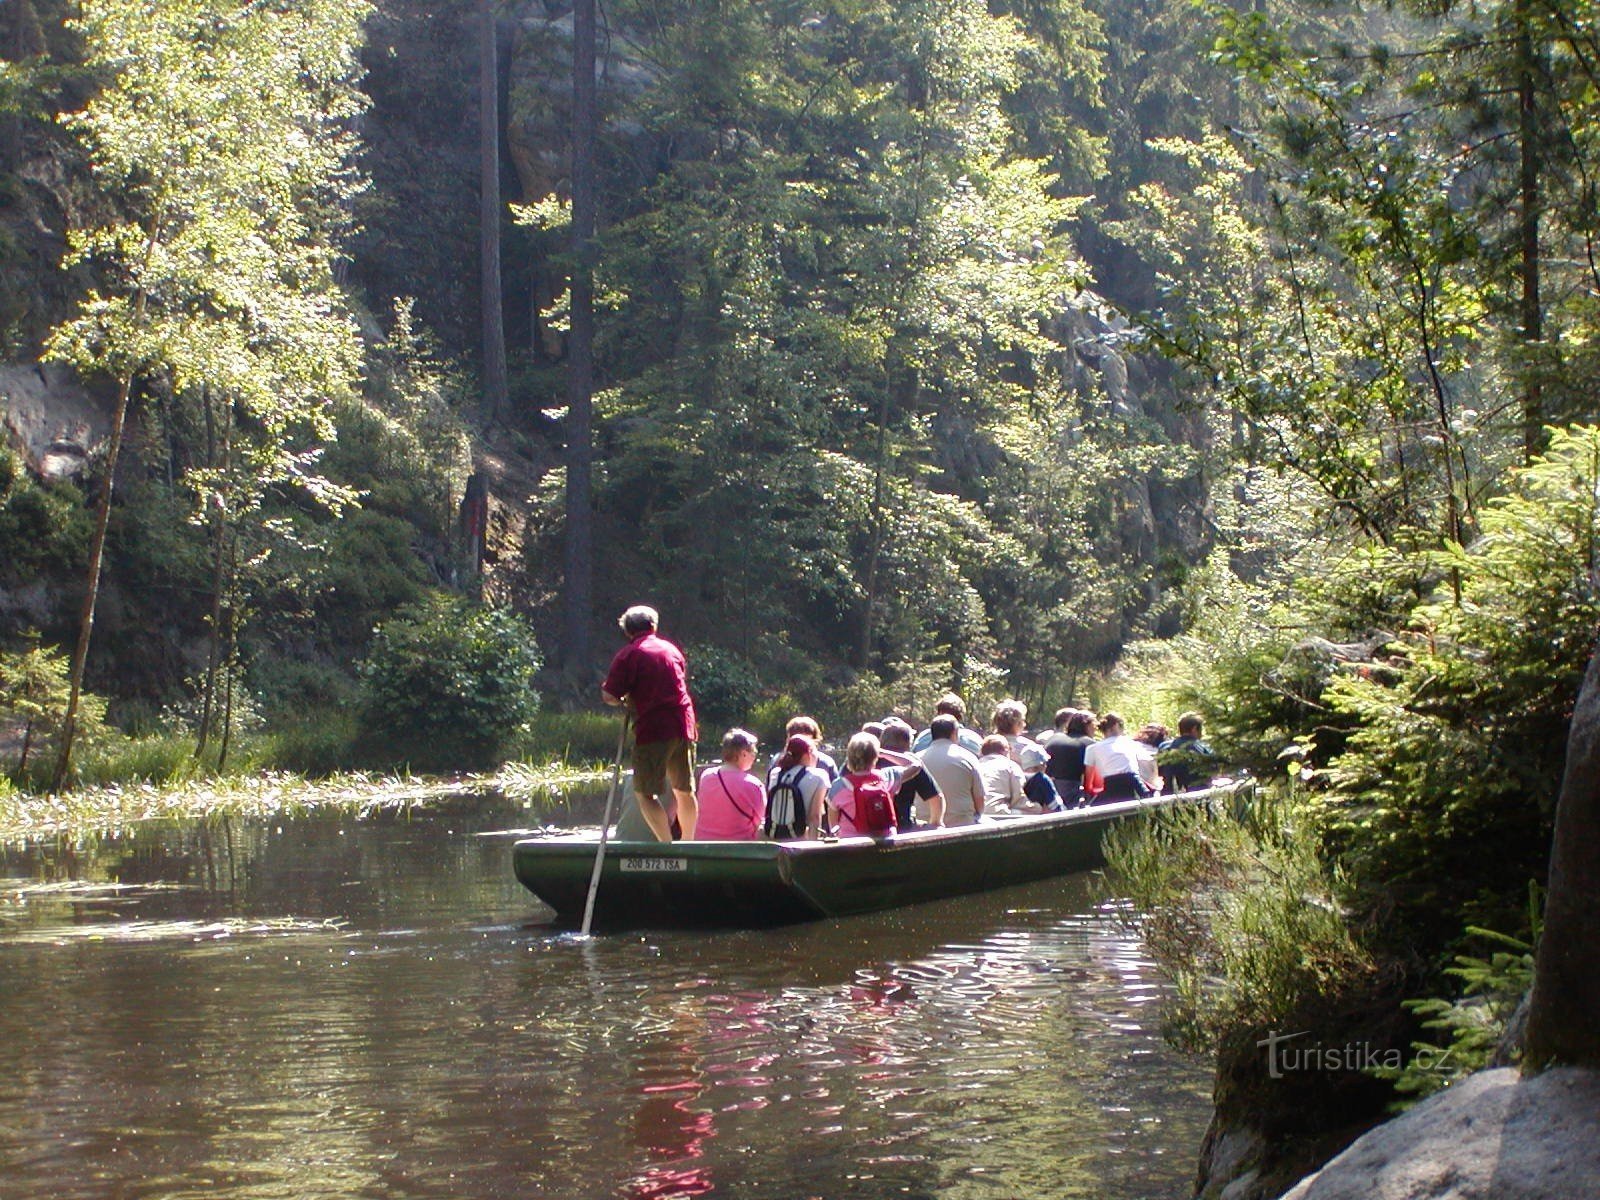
x=34 y=688
x=840 y=273
x=222 y=128
x=448 y=685
x=1441 y=802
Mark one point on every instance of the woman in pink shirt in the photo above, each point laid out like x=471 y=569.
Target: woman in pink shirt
x=733 y=804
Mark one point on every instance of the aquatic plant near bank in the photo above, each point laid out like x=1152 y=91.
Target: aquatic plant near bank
x=99 y=810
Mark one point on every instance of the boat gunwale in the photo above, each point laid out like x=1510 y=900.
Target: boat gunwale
x=1002 y=825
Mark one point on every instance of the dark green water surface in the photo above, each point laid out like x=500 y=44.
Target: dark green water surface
x=332 y=1007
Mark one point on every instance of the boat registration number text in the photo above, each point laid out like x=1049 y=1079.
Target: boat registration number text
x=655 y=864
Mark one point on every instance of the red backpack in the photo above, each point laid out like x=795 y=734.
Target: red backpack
x=874 y=803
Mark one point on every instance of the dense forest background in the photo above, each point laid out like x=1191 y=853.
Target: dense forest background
x=1164 y=354
x=869 y=405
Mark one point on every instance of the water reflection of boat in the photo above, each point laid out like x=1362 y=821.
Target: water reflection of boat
x=742 y=884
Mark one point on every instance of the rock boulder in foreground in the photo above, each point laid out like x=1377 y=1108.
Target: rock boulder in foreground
x=1493 y=1136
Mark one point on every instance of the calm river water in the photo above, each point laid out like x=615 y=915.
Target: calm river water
x=331 y=1007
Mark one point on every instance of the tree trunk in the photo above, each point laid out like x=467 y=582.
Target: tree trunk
x=578 y=594
x=494 y=331
x=1564 y=1013
x=91 y=587
x=218 y=521
x=1532 y=314
x=875 y=555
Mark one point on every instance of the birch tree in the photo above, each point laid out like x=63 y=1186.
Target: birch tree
x=221 y=133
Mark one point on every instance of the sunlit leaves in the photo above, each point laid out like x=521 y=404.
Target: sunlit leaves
x=224 y=131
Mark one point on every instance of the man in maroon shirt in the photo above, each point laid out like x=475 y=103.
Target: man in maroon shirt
x=649 y=675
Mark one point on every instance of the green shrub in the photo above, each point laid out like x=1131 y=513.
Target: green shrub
x=288 y=687
x=1440 y=804
x=34 y=690
x=769 y=717
x=1241 y=911
x=1473 y=1023
x=370 y=569
x=43 y=527
x=448 y=685
x=724 y=685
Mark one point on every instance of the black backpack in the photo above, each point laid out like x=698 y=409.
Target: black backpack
x=786 y=806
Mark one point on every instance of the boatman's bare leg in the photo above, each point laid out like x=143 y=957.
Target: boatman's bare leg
x=680 y=774
x=654 y=816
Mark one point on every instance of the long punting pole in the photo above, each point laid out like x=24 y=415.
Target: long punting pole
x=605 y=828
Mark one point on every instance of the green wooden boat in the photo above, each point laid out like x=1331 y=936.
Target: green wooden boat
x=747 y=884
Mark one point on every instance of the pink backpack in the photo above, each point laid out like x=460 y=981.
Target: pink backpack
x=874 y=803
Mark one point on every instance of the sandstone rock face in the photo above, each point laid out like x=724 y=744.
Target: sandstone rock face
x=1494 y=1136
x=46 y=413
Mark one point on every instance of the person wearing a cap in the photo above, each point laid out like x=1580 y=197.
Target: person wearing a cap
x=1038 y=789
x=799 y=764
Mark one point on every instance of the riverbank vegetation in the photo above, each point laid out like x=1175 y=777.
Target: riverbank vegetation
x=1227 y=357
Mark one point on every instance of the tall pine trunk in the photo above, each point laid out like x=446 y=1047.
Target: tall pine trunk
x=494 y=331
x=1528 y=68
x=578 y=597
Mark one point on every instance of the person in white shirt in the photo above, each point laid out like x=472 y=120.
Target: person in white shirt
x=956 y=773
x=1115 y=761
x=1151 y=737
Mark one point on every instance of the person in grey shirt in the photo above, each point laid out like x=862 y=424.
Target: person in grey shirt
x=955 y=771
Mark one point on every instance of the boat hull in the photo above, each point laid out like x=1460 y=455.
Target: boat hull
x=753 y=884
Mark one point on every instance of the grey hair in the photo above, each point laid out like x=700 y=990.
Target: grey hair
x=641 y=618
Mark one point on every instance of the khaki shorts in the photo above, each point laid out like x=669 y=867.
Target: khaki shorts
x=655 y=764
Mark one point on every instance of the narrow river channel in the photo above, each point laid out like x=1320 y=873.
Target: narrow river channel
x=330 y=1007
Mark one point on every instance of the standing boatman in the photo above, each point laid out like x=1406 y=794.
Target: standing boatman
x=650 y=676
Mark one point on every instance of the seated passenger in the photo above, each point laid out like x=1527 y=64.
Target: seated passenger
x=951 y=705
x=1065 y=749
x=1010 y=719
x=861 y=801
x=808 y=727
x=1039 y=792
x=1186 y=761
x=919 y=787
x=1114 y=761
x=796 y=786
x=732 y=801
x=955 y=771
x=1002 y=778
x=1151 y=737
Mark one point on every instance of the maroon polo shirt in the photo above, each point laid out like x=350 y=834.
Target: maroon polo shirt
x=652 y=671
